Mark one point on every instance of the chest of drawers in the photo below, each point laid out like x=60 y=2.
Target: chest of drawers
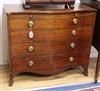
x=49 y=41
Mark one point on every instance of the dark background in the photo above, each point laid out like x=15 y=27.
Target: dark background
x=87 y=0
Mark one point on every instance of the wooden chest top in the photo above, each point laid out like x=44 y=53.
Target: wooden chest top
x=49 y=9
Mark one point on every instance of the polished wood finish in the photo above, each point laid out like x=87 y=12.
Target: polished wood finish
x=49 y=35
x=45 y=65
x=13 y=9
x=59 y=39
x=49 y=48
x=47 y=22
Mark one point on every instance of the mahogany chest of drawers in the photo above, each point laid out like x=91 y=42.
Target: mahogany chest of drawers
x=49 y=41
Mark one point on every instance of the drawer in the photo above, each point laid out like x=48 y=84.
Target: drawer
x=34 y=64
x=25 y=49
x=51 y=35
x=44 y=22
x=48 y=65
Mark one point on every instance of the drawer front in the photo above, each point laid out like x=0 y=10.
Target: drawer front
x=25 y=49
x=31 y=64
x=44 y=22
x=48 y=65
x=51 y=35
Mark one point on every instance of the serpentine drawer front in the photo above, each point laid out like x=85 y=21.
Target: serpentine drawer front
x=49 y=41
x=45 y=22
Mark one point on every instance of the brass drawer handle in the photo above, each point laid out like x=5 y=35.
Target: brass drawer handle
x=30 y=23
x=72 y=45
x=31 y=63
x=71 y=59
x=30 y=48
x=73 y=32
x=30 y=34
x=75 y=21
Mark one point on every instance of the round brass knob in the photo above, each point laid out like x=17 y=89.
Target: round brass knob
x=75 y=21
x=30 y=23
x=31 y=63
x=73 y=32
x=72 y=45
x=71 y=59
x=30 y=48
